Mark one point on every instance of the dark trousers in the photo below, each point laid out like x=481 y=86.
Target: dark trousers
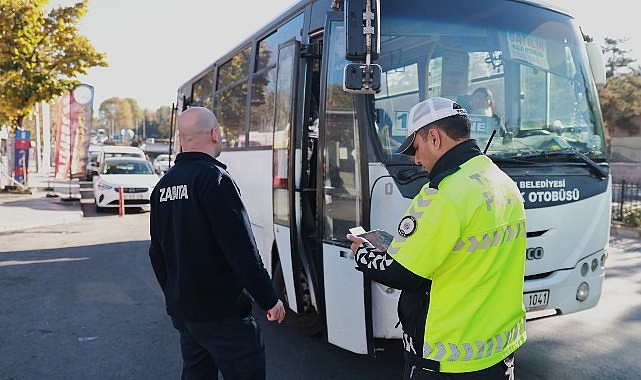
x=234 y=346
x=503 y=370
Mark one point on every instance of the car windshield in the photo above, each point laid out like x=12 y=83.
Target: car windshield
x=127 y=167
x=122 y=154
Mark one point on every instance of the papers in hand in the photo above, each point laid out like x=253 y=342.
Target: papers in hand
x=378 y=238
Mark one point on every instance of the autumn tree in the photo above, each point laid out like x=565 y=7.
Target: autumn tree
x=163 y=120
x=117 y=113
x=620 y=99
x=41 y=55
x=136 y=114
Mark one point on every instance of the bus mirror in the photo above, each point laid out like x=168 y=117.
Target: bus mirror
x=597 y=65
x=362 y=29
x=362 y=79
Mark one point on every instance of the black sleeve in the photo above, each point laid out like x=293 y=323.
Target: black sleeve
x=158 y=264
x=231 y=226
x=382 y=268
x=155 y=251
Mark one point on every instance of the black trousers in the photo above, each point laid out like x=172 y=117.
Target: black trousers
x=234 y=346
x=503 y=370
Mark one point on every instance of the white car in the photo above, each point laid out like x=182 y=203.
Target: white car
x=134 y=175
x=93 y=153
x=108 y=151
x=162 y=163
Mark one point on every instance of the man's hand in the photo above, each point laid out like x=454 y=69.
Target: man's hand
x=356 y=242
x=276 y=313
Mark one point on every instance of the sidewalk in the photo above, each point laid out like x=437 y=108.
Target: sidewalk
x=39 y=206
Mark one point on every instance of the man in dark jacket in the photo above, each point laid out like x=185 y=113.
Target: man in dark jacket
x=206 y=261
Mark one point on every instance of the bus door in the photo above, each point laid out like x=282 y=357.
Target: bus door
x=347 y=291
x=282 y=170
x=294 y=195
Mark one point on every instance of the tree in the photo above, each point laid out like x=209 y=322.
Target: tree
x=620 y=99
x=621 y=102
x=40 y=55
x=136 y=114
x=616 y=58
x=163 y=115
x=117 y=113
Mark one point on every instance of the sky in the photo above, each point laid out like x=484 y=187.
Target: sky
x=154 y=46
x=611 y=18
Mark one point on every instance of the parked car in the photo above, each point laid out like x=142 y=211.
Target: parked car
x=162 y=163
x=93 y=154
x=108 y=151
x=134 y=174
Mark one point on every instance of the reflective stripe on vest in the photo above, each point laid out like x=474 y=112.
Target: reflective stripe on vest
x=492 y=239
x=441 y=351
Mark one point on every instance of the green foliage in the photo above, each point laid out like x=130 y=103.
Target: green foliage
x=632 y=217
x=40 y=55
x=616 y=58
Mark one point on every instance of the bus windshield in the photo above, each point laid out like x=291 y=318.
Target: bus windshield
x=525 y=77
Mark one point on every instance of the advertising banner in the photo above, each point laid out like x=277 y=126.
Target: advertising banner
x=73 y=130
x=62 y=156
x=21 y=161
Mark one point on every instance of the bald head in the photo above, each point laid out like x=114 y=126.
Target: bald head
x=198 y=131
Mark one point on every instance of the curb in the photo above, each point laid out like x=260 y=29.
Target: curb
x=20 y=211
x=62 y=218
x=629 y=232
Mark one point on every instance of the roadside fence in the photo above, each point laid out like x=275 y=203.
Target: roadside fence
x=626 y=203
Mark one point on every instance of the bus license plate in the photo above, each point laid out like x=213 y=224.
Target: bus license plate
x=536 y=300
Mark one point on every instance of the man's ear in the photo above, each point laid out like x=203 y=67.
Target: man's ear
x=434 y=137
x=214 y=135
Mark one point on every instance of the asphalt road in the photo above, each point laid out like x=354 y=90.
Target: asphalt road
x=80 y=301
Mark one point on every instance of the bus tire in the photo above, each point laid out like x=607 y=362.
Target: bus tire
x=308 y=323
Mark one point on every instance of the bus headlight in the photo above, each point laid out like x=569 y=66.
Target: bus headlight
x=582 y=292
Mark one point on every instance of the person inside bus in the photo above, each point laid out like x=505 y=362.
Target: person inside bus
x=457 y=256
x=482 y=104
x=205 y=258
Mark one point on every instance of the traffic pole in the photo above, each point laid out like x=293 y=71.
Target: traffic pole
x=121 y=202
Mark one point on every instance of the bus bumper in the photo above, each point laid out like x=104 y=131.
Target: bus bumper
x=566 y=291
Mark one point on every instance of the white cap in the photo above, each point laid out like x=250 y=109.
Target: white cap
x=424 y=113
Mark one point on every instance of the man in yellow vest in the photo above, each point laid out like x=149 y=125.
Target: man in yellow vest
x=458 y=256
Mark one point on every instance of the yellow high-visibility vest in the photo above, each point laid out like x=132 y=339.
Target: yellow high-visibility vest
x=468 y=237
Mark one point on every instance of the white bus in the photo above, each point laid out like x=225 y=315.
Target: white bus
x=313 y=149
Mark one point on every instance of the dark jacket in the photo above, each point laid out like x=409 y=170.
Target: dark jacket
x=202 y=248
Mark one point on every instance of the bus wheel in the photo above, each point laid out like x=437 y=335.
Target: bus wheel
x=308 y=322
